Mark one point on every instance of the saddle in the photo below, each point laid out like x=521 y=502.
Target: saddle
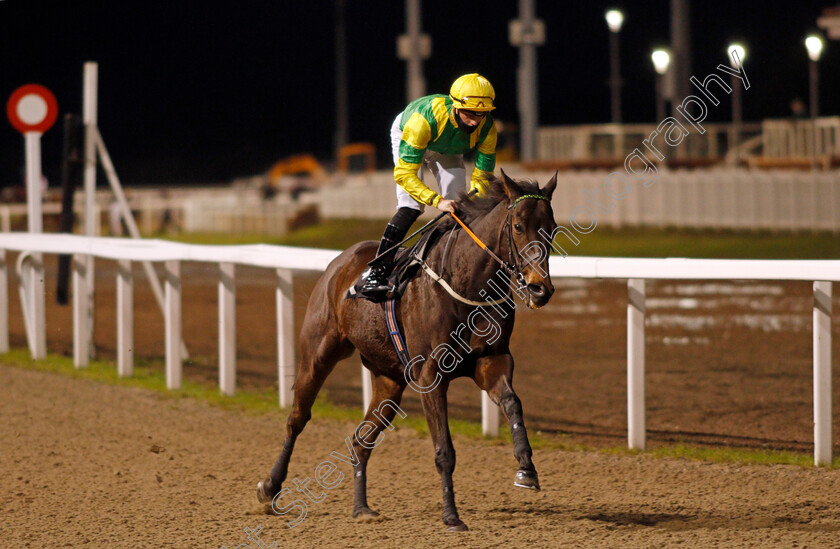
x=406 y=267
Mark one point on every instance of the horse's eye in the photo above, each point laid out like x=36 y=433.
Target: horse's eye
x=518 y=227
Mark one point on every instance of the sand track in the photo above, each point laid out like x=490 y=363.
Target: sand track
x=92 y=465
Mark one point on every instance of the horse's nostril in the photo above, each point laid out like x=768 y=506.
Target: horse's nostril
x=536 y=289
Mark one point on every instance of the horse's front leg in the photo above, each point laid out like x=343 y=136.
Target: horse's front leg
x=434 y=407
x=494 y=374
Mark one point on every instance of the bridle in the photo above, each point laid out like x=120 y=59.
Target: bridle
x=512 y=267
x=513 y=251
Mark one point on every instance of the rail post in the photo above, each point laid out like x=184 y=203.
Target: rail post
x=4 y=304
x=172 y=291
x=636 y=364
x=367 y=388
x=81 y=332
x=285 y=337
x=822 y=373
x=227 y=328
x=489 y=416
x=125 y=319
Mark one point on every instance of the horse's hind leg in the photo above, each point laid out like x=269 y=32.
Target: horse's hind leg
x=319 y=354
x=384 y=405
x=494 y=374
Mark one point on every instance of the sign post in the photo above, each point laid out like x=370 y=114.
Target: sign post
x=32 y=110
x=85 y=350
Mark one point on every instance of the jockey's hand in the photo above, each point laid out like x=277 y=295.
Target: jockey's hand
x=445 y=205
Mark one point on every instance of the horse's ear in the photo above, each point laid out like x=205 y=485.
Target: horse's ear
x=511 y=188
x=548 y=190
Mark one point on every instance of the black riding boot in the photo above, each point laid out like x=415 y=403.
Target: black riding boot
x=376 y=282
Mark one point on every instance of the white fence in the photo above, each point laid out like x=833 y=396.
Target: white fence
x=608 y=141
x=779 y=139
x=285 y=260
x=715 y=198
x=227 y=210
x=801 y=138
x=711 y=198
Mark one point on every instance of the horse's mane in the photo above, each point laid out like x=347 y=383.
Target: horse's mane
x=470 y=209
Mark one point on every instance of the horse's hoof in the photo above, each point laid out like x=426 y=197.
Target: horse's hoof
x=457 y=527
x=366 y=515
x=262 y=496
x=527 y=479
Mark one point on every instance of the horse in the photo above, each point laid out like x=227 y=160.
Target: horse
x=509 y=219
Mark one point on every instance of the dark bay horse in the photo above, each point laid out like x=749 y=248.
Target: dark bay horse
x=444 y=336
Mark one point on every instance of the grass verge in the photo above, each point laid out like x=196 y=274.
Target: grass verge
x=149 y=375
x=339 y=234
x=747 y=456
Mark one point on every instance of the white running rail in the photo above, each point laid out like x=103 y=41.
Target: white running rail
x=286 y=259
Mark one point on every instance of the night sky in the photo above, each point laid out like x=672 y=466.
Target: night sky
x=207 y=91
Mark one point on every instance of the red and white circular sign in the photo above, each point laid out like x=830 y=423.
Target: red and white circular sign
x=32 y=108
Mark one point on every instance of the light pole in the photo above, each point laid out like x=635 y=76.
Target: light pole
x=614 y=21
x=526 y=33
x=814 y=45
x=736 y=53
x=341 y=112
x=661 y=60
x=414 y=46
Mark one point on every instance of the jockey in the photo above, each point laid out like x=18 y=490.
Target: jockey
x=436 y=131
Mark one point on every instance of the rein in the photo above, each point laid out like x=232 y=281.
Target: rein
x=418 y=231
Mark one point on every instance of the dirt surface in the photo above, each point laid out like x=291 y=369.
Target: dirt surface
x=94 y=465
x=728 y=363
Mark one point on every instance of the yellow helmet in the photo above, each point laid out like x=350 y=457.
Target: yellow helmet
x=473 y=92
